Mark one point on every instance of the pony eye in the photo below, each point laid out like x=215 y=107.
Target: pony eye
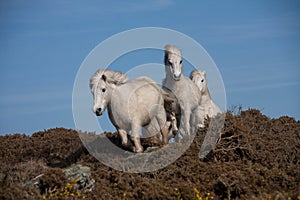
x=180 y=61
x=170 y=63
x=103 y=90
x=202 y=80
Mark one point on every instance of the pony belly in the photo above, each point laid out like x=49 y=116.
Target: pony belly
x=119 y=117
x=122 y=123
x=140 y=114
x=149 y=103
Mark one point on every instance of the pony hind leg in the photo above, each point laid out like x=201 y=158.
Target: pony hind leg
x=158 y=115
x=164 y=125
x=153 y=130
x=135 y=137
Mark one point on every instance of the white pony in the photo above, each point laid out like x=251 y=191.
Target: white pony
x=131 y=104
x=207 y=107
x=186 y=92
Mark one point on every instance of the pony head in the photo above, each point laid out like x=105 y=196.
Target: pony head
x=102 y=84
x=199 y=78
x=173 y=61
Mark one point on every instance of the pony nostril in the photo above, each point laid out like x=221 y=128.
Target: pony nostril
x=98 y=111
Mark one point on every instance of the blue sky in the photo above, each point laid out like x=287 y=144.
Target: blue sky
x=255 y=45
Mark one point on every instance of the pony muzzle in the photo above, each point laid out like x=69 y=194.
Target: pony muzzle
x=176 y=77
x=98 y=111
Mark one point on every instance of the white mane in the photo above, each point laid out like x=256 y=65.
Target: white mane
x=170 y=49
x=113 y=77
x=194 y=73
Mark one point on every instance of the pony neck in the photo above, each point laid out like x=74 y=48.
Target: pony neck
x=206 y=94
x=169 y=77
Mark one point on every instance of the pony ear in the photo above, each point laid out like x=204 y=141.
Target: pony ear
x=104 y=77
x=107 y=80
x=204 y=72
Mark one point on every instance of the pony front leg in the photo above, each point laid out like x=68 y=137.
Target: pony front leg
x=193 y=122
x=125 y=141
x=135 y=137
x=165 y=132
x=174 y=123
x=201 y=121
x=186 y=123
x=163 y=124
x=199 y=118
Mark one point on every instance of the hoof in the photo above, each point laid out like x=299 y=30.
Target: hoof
x=127 y=146
x=138 y=150
x=200 y=126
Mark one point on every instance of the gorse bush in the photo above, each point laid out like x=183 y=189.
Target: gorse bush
x=68 y=191
x=197 y=195
x=256 y=158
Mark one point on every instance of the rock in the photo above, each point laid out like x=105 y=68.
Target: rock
x=82 y=176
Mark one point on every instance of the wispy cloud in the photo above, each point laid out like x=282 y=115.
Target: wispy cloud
x=140 y=6
x=34 y=97
x=35 y=103
x=277 y=26
x=107 y=8
x=262 y=87
x=33 y=110
x=63 y=17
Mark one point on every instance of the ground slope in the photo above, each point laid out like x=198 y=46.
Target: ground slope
x=257 y=158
